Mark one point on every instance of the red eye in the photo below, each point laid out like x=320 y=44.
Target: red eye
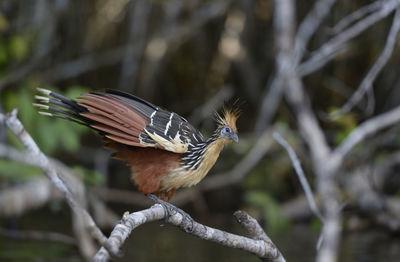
x=227 y=129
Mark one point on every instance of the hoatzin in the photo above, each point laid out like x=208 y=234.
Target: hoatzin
x=165 y=152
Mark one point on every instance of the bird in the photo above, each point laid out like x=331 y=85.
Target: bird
x=164 y=151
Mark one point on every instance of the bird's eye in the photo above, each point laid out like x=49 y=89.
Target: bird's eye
x=227 y=129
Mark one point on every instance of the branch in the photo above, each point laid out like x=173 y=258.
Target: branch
x=300 y=173
x=260 y=245
x=38 y=236
x=358 y=14
x=139 y=12
x=42 y=161
x=368 y=80
x=310 y=24
x=311 y=131
x=327 y=51
x=366 y=129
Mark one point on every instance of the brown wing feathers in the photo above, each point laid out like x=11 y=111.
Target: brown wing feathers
x=121 y=119
x=117 y=121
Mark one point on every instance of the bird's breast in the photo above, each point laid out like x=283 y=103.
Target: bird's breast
x=184 y=177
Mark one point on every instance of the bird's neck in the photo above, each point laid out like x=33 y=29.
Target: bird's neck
x=203 y=151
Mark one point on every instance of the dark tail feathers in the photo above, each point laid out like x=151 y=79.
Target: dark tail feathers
x=59 y=106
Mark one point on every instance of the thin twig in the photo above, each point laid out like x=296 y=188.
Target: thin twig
x=300 y=174
x=368 y=80
x=366 y=129
x=327 y=51
x=310 y=24
x=358 y=14
x=38 y=236
x=139 y=14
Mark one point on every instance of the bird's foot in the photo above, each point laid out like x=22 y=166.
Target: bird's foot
x=170 y=210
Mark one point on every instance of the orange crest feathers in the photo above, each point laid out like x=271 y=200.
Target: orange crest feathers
x=229 y=117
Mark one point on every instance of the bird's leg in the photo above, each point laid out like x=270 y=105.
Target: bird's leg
x=170 y=209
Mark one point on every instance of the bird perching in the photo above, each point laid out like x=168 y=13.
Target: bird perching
x=165 y=152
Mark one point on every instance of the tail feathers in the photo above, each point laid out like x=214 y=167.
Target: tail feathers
x=59 y=106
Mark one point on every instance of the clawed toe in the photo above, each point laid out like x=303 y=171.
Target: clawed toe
x=170 y=209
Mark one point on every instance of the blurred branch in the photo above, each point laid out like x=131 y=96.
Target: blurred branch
x=170 y=38
x=139 y=16
x=366 y=129
x=307 y=28
x=310 y=24
x=30 y=195
x=300 y=173
x=329 y=49
x=43 y=162
x=38 y=236
x=284 y=31
x=206 y=110
x=259 y=244
x=84 y=64
x=310 y=130
x=39 y=191
x=358 y=14
x=368 y=80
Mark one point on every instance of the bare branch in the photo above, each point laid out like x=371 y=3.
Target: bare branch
x=300 y=173
x=284 y=31
x=312 y=133
x=139 y=12
x=263 y=248
x=253 y=228
x=366 y=129
x=17 y=128
x=327 y=51
x=358 y=14
x=39 y=236
x=22 y=198
x=310 y=24
x=368 y=80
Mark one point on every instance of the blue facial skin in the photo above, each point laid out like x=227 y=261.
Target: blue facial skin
x=227 y=132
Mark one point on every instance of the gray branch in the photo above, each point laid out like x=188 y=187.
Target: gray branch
x=300 y=173
x=328 y=50
x=13 y=123
x=259 y=245
x=368 y=80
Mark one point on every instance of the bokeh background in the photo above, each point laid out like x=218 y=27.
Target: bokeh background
x=190 y=57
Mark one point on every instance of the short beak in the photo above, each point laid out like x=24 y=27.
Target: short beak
x=235 y=138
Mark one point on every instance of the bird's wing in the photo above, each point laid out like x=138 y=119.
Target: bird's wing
x=163 y=129
x=125 y=119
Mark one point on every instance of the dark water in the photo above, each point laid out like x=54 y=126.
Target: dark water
x=154 y=243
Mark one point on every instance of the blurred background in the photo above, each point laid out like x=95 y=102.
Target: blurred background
x=190 y=57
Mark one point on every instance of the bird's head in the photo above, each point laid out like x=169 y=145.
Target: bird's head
x=227 y=129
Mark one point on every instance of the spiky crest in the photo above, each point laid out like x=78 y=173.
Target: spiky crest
x=229 y=116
